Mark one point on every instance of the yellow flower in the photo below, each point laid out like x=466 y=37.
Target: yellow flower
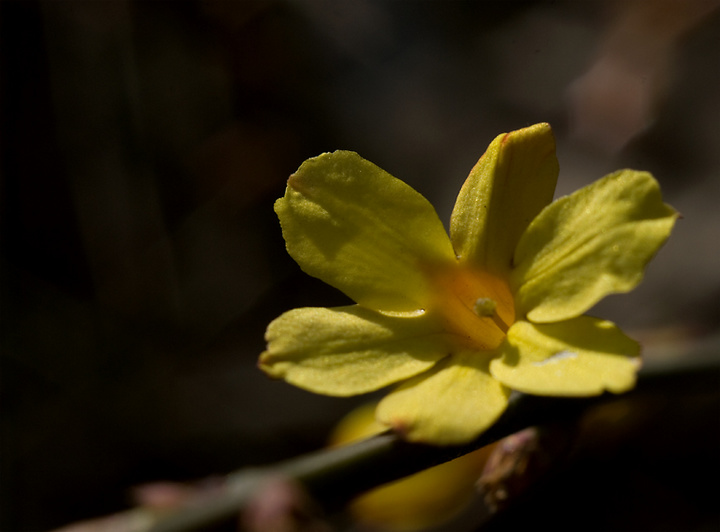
x=461 y=321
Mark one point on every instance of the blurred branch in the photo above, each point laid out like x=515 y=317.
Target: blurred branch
x=620 y=94
x=334 y=476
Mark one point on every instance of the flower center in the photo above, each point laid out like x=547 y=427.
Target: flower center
x=476 y=306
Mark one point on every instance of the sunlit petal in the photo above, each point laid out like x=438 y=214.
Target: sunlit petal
x=452 y=403
x=579 y=357
x=349 y=350
x=507 y=188
x=359 y=229
x=592 y=243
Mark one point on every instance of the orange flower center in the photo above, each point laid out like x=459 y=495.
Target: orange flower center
x=475 y=305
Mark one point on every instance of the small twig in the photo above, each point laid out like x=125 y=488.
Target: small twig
x=334 y=476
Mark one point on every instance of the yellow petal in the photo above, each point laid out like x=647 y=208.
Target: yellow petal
x=359 y=229
x=357 y=425
x=414 y=502
x=579 y=357
x=592 y=243
x=425 y=499
x=349 y=350
x=507 y=188
x=450 y=404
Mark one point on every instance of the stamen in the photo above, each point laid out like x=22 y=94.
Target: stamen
x=485 y=307
x=477 y=305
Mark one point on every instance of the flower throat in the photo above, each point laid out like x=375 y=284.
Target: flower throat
x=476 y=305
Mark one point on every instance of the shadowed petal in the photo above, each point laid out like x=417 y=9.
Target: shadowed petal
x=359 y=229
x=349 y=350
x=450 y=404
x=578 y=357
x=507 y=188
x=414 y=502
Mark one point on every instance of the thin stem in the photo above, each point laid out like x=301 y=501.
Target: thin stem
x=334 y=476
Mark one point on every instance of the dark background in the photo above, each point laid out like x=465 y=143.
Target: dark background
x=144 y=143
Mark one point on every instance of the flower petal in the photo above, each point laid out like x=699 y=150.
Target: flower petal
x=359 y=229
x=414 y=502
x=450 y=404
x=349 y=350
x=592 y=243
x=579 y=357
x=507 y=188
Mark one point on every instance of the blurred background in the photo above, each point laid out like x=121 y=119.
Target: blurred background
x=143 y=143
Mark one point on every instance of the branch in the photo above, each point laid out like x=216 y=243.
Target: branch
x=335 y=476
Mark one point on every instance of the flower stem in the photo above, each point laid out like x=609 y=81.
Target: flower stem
x=334 y=476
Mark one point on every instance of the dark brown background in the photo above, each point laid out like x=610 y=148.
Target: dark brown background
x=143 y=145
